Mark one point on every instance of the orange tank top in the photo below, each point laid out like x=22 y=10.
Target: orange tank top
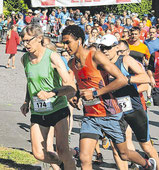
x=88 y=77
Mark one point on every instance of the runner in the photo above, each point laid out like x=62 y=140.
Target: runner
x=139 y=52
x=49 y=107
x=153 y=72
x=101 y=111
x=134 y=113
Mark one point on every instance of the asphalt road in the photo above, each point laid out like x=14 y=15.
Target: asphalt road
x=14 y=127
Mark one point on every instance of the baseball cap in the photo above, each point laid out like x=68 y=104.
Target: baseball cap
x=30 y=11
x=36 y=12
x=145 y=15
x=108 y=40
x=13 y=13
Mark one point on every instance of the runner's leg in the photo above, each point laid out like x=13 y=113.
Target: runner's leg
x=62 y=145
x=38 y=139
x=87 y=146
x=150 y=151
x=50 y=142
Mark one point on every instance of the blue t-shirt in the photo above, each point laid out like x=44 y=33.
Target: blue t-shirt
x=64 y=17
x=82 y=26
x=153 y=45
x=1 y=25
x=77 y=22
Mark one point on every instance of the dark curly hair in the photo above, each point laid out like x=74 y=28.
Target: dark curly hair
x=75 y=31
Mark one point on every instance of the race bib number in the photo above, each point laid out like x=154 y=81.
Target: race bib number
x=91 y=102
x=42 y=105
x=125 y=103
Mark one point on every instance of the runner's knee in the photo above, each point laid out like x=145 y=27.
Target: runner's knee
x=38 y=154
x=85 y=158
x=124 y=156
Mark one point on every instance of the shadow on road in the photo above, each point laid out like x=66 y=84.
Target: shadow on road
x=24 y=126
x=154 y=123
x=154 y=111
x=3 y=66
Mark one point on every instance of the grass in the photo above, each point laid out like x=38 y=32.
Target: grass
x=14 y=159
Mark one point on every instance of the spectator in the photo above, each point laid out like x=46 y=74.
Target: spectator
x=135 y=20
x=153 y=42
x=143 y=32
x=148 y=22
x=13 y=18
x=125 y=35
x=1 y=28
x=44 y=20
x=88 y=30
x=93 y=37
x=29 y=17
x=119 y=28
x=36 y=19
x=11 y=45
x=128 y=24
x=90 y=21
x=64 y=15
x=82 y=23
x=76 y=18
x=20 y=24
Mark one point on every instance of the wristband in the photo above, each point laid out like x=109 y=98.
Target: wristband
x=55 y=91
x=95 y=94
x=129 y=79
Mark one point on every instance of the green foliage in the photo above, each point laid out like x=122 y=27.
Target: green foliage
x=14 y=5
x=141 y=8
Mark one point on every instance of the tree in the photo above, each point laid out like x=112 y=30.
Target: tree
x=141 y=8
x=14 y=5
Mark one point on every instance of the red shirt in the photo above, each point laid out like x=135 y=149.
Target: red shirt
x=11 y=44
x=143 y=35
x=120 y=30
x=28 y=19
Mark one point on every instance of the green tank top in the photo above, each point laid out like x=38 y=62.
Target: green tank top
x=42 y=76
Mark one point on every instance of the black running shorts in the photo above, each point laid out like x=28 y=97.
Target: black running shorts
x=139 y=123
x=51 y=119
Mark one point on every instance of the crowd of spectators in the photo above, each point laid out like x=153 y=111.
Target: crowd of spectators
x=94 y=26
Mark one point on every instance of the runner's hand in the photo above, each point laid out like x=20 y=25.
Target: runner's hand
x=75 y=102
x=86 y=94
x=43 y=95
x=24 y=108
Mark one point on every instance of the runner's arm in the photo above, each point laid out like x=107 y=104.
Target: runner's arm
x=140 y=76
x=68 y=82
x=100 y=61
x=151 y=70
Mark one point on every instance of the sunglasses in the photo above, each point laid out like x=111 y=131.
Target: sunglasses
x=104 y=47
x=122 y=51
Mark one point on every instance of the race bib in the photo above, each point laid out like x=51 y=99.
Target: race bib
x=42 y=105
x=91 y=102
x=125 y=103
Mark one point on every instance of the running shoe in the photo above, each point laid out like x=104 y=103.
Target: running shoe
x=150 y=166
x=153 y=164
x=76 y=149
x=105 y=143
x=134 y=166
x=99 y=158
x=149 y=102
